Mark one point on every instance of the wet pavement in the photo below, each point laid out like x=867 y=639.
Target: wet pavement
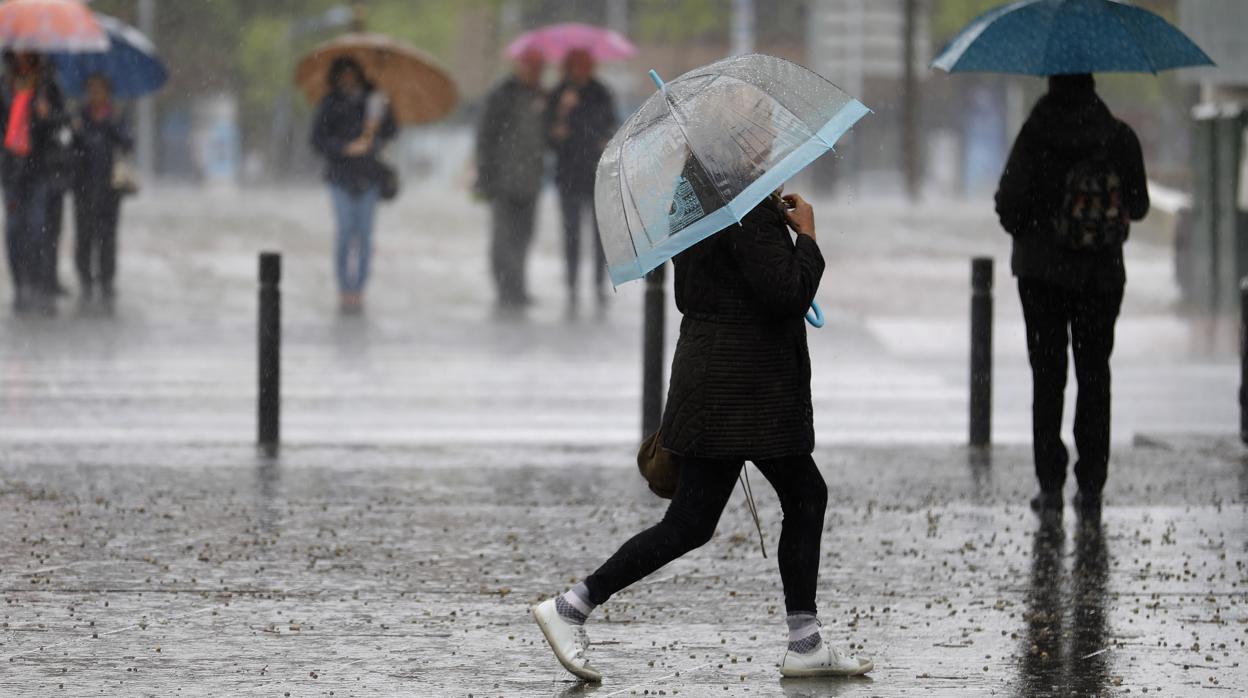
x=401 y=571
x=430 y=363
x=445 y=468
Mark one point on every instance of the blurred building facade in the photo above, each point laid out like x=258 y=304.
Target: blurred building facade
x=1211 y=250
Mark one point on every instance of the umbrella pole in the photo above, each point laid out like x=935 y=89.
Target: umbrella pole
x=654 y=325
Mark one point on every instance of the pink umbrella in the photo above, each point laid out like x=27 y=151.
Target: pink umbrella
x=555 y=41
x=39 y=26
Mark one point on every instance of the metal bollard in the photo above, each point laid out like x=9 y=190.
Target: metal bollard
x=652 y=351
x=269 y=397
x=1243 y=359
x=981 y=351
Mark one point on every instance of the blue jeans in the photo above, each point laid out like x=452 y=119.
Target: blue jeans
x=26 y=204
x=354 y=246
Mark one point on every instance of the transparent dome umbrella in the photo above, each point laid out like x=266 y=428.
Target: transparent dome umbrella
x=706 y=149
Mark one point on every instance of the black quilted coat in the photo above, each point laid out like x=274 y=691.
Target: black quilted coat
x=740 y=384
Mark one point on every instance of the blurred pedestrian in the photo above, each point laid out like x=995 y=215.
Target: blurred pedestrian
x=32 y=111
x=61 y=162
x=1073 y=183
x=740 y=390
x=581 y=117
x=352 y=124
x=102 y=136
x=511 y=148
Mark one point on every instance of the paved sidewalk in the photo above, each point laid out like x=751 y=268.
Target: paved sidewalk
x=430 y=364
x=203 y=570
x=445 y=469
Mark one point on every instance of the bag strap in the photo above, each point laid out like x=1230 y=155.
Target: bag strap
x=749 y=502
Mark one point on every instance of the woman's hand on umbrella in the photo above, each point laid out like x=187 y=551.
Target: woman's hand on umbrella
x=800 y=215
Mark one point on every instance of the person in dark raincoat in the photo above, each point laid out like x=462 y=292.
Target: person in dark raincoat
x=101 y=135
x=511 y=149
x=31 y=112
x=1070 y=294
x=350 y=127
x=581 y=119
x=740 y=390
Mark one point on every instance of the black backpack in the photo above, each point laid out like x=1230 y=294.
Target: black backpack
x=1093 y=215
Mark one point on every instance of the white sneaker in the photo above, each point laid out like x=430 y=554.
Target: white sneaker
x=824 y=660
x=567 y=640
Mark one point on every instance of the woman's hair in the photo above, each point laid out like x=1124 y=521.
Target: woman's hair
x=341 y=65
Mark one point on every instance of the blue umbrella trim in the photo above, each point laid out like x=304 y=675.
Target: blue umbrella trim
x=742 y=203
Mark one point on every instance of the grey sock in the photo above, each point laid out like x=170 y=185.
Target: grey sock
x=574 y=606
x=804 y=634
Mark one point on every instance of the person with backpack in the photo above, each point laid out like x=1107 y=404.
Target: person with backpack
x=1072 y=185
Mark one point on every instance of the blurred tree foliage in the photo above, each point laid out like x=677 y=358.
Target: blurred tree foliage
x=679 y=20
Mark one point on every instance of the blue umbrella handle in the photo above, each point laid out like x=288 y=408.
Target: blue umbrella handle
x=815 y=316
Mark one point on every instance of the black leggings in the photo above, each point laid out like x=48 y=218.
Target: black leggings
x=690 y=521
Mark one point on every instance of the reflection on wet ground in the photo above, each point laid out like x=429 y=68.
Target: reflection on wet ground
x=400 y=571
x=1067 y=641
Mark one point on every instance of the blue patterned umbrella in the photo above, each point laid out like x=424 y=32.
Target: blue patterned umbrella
x=130 y=63
x=1062 y=37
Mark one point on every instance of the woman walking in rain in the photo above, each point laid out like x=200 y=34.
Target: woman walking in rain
x=101 y=135
x=31 y=110
x=351 y=125
x=740 y=390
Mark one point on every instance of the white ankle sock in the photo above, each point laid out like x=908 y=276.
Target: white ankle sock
x=574 y=605
x=804 y=634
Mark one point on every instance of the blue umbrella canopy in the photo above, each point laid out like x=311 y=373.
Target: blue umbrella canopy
x=130 y=63
x=1062 y=37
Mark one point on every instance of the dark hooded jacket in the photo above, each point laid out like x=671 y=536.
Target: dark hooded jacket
x=1067 y=126
x=338 y=121
x=740 y=385
x=591 y=123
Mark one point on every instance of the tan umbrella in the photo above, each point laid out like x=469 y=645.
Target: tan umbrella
x=420 y=90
